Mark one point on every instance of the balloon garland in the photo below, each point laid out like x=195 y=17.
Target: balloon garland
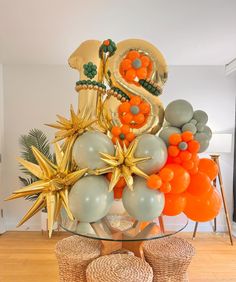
x=109 y=147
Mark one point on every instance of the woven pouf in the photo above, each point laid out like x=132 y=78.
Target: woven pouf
x=74 y=254
x=119 y=268
x=169 y=258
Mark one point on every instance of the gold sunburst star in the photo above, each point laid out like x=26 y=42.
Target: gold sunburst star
x=71 y=128
x=53 y=185
x=124 y=163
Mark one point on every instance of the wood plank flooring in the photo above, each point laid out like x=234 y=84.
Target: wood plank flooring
x=29 y=257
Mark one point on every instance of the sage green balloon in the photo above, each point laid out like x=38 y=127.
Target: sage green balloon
x=193 y=121
x=85 y=228
x=89 y=199
x=142 y=203
x=179 y=112
x=166 y=132
x=200 y=126
x=207 y=131
x=87 y=148
x=189 y=127
x=154 y=147
x=200 y=116
x=203 y=140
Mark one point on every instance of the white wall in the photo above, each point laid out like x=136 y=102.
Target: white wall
x=35 y=94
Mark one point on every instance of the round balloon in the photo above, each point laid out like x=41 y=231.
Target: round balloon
x=142 y=203
x=87 y=148
x=89 y=199
x=151 y=146
x=200 y=116
x=181 y=179
x=203 y=140
x=85 y=228
x=166 y=132
x=209 y=167
x=203 y=208
x=189 y=127
x=207 y=131
x=200 y=184
x=179 y=112
x=174 y=204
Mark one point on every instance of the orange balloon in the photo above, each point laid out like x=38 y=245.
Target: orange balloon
x=120 y=184
x=175 y=138
x=165 y=187
x=166 y=174
x=174 y=204
x=154 y=181
x=118 y=192
x=209 y=167
x=204 y=208
x=200 y=184
x=181 y=179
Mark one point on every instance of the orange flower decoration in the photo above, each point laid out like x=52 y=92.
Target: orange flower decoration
x=134 y=113
x=135 y=66
x=161 y=180
x=183 y=149
x=122 y=134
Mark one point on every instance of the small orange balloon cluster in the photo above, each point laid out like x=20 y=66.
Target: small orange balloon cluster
x=122 y=134
x=135 y=66
x=187 y=186
x=183 y=150
x=161 y=180
x=134 y=113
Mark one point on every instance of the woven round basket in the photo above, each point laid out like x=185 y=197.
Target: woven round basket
x=74 y=254
x=119 y=268
x=169 y=258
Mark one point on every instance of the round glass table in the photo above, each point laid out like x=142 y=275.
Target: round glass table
x=122 y=232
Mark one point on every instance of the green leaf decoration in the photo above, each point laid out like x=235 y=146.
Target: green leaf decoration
x=38 y=139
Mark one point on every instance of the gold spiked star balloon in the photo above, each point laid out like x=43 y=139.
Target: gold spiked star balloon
x=53 y=185
x=122 y=164
x=69 y=129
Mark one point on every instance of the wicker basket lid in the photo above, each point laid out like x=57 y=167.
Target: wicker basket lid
x=118 y=268
x=79 y=247
x=170 y=247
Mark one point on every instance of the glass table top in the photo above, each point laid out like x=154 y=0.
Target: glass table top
x=122 y=227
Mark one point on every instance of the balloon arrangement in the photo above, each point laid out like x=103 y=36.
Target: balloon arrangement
x=109 y=148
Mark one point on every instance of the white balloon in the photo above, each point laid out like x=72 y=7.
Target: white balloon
x=87 y=148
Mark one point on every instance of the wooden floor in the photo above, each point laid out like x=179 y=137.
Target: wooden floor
x=29 y=257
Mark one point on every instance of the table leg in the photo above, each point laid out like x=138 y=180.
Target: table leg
x=195 y=230
x=109 y=247
x=134 y=246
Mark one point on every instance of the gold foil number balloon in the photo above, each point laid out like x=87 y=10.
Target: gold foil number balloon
x=137 y=69
x=88 y=99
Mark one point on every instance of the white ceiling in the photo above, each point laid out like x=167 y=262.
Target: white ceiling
x=188 y=32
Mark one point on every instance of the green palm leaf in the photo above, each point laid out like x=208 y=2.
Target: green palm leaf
x=38 y=139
